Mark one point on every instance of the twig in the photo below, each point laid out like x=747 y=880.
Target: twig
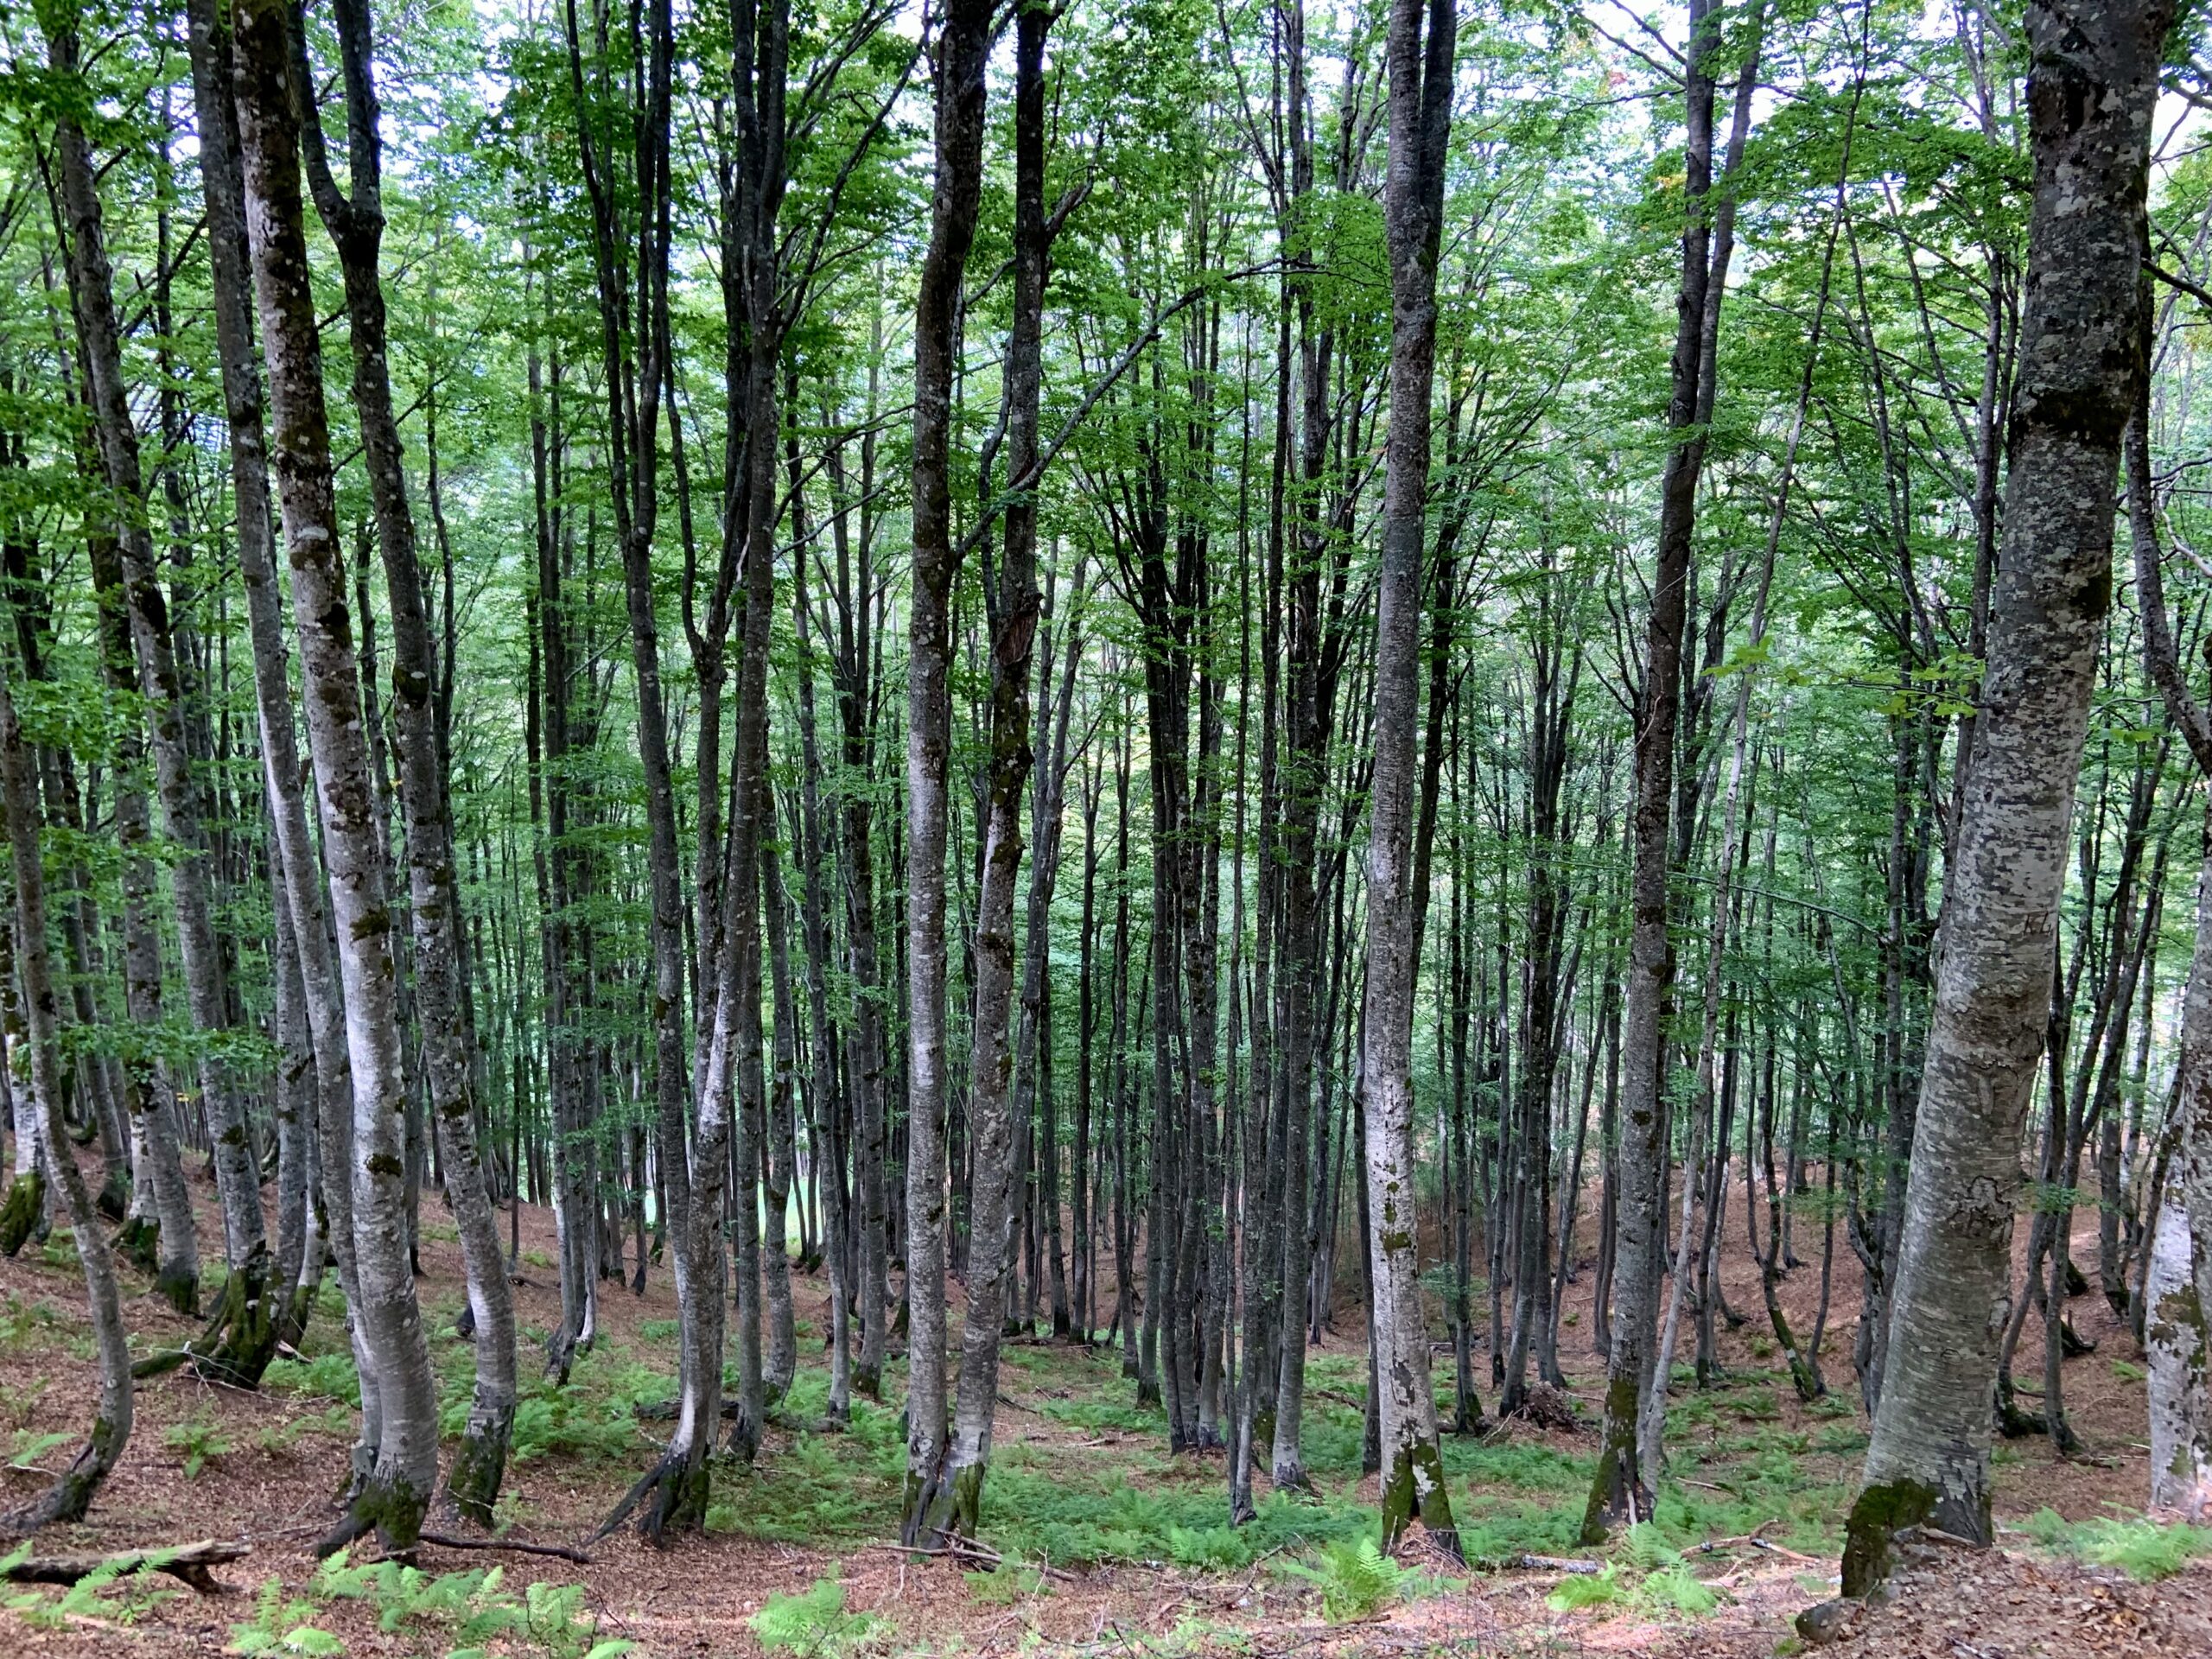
x=447 y=1541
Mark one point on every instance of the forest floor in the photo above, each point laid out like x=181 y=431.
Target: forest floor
x=1111 y=1547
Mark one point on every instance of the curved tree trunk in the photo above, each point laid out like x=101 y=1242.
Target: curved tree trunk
x=72 y=1494
x=2092 y=85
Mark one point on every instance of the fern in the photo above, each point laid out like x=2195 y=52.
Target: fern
x=1675 y=1589
x=2142 y=1549
x=813 y=1622
x=1356 y=1578
x=1599 y=1589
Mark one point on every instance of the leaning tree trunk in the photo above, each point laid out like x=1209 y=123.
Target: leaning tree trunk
x=71 y=1495
x=2092 y=83
x=1420 y=117
x=242 y=1339
x=962 y=46
x=393 y=1497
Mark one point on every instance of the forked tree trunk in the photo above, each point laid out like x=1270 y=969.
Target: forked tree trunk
x=1420 y=117
x=398 y=1490
x=356 y=228
x=2092 y=83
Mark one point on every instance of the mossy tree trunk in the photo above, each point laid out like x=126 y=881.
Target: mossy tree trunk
x=2092 y=83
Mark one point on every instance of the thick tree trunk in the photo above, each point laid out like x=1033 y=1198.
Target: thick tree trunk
x=2092 y=83
x=398 y=1490
x=356 y=227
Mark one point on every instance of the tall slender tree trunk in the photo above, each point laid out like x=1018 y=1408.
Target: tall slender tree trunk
x=393 y=1498
x=1622 y=1486
x=1420 y=115
x=242 y=1338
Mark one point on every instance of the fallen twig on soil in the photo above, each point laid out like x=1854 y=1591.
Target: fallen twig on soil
x=447 y=1541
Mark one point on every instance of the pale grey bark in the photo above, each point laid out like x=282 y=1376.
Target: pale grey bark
x=393 y=1498
x=296 y=864
x=2092 y=83
x=2178 y=1281
x=1420 y=117
x=959 y=52
x=240 y=1343
x=356 y=226
x=2174 y=1339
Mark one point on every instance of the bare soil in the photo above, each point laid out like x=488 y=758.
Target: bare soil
x=273 y=1478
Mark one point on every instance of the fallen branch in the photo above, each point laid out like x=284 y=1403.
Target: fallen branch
x=190 y=1562
x=565 y=1552
x=1573 y=1564
x=963 y=1550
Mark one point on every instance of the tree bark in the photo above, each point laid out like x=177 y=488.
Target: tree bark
x=2093 y=82
x=71 y=1495
x=1420 y=114
x=398 y=1490
x=962 y=46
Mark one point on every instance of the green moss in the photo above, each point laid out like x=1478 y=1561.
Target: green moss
x=1883 y=1510
x=19 y=1215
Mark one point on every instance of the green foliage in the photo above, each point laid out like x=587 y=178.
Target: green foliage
x=1580 y=1590
x=328 y=1376
x=813 y=1623
x=1653 y=1579
x=1099 y=1416
x=107 y=1593
x=2127 y=1373
x=547 y=1619
x=2144 y=1549
x=283 y=1626
x=20 y=1322
x=201 y=1442
x=28 y=1447
x=1355 y=1577
x=1049 y=1517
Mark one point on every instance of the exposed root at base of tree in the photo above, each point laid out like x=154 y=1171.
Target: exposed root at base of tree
x=677 y=1485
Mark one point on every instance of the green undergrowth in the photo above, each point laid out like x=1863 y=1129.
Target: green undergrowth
x=107 y=1593
x=1357 y=1580
x=1650 y=1578
x=814 y=1624
x=2144 y=1550
x=472 y=1610
x=822 y=1488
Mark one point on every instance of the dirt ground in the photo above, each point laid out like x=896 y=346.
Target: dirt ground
x=271 y=1463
